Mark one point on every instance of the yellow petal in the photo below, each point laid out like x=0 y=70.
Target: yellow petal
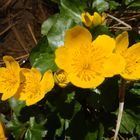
x=32 y=73
x=85 y=81
x=34 y=99
x=9 y=77
x=132 y=69
x=132 y=73
x=114 y=65
x=77 y=36
x=47 y=82
x=97 y=19
x=2 y=135
x=104 y=15
x=33 y=89
x=11 y=64
x=29 y=84
x=9 y=83
x=36 y=73
x=122 y=43
x=103 y=45
x=133 y=51
x=62 y=57
x=87 y=19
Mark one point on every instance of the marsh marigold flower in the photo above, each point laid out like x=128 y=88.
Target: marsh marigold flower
x=131 y=56
x=93 y=20
x=61 y=78
x=2 y=135
x=88 y=62
x=34 y=86
x=9 y=77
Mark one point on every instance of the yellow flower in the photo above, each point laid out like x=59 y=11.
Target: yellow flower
x=93 y=20
x=87 y=19
x=88 y=62
x=131 y=56
x=2 y=135
x=98 y=19
x=33 y=86
x=61 y=78
x=9 y=77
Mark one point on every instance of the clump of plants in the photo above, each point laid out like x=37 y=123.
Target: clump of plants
x=84 y=79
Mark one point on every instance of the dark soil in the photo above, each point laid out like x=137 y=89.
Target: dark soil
x=20 y=26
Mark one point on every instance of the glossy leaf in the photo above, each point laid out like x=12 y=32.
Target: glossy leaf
x=73 y=9
x=54 y=28
x=100 y=5
x=35 y=131
x=42 y=56
x=16 y=128
x=129 y=122
x=16 y=105
x=136 y=88
x=113 y=4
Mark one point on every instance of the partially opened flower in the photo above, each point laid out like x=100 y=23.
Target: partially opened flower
x=61 y=78
x=9 y=77
x=2 y=135
x=131 y=56
x=88 y=62
x=87 y=19
x=34 y=86
x=98 y=19
x=93 y=20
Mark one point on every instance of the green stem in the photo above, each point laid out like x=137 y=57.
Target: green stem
x=121 y=106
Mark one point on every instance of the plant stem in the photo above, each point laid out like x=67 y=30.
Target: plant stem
x=121 y=106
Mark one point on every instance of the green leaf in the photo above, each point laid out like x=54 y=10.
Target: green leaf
x=136 y=88
x=83 y=129
x=47 y=25
x=129 y=122
x=42 y=56
x=128 y=2
x=138 y=130
x=99 y=30
x=35 y=131
x=70 y=97
x=135 y=5
x=113 y=5
x=73 y=9
x=97 y=134
x=100 y=5
x=133 y=138
x=60 y=130
x=16 y=128
x=16 y=105
x=54 y=28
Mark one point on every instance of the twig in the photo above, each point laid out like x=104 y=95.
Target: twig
x=20 y=40
x=42 y=11
x=120 y=21
x=122 y=28
x=6 y=29
x=7 y=4
x=121 y=106
x=31 y=31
